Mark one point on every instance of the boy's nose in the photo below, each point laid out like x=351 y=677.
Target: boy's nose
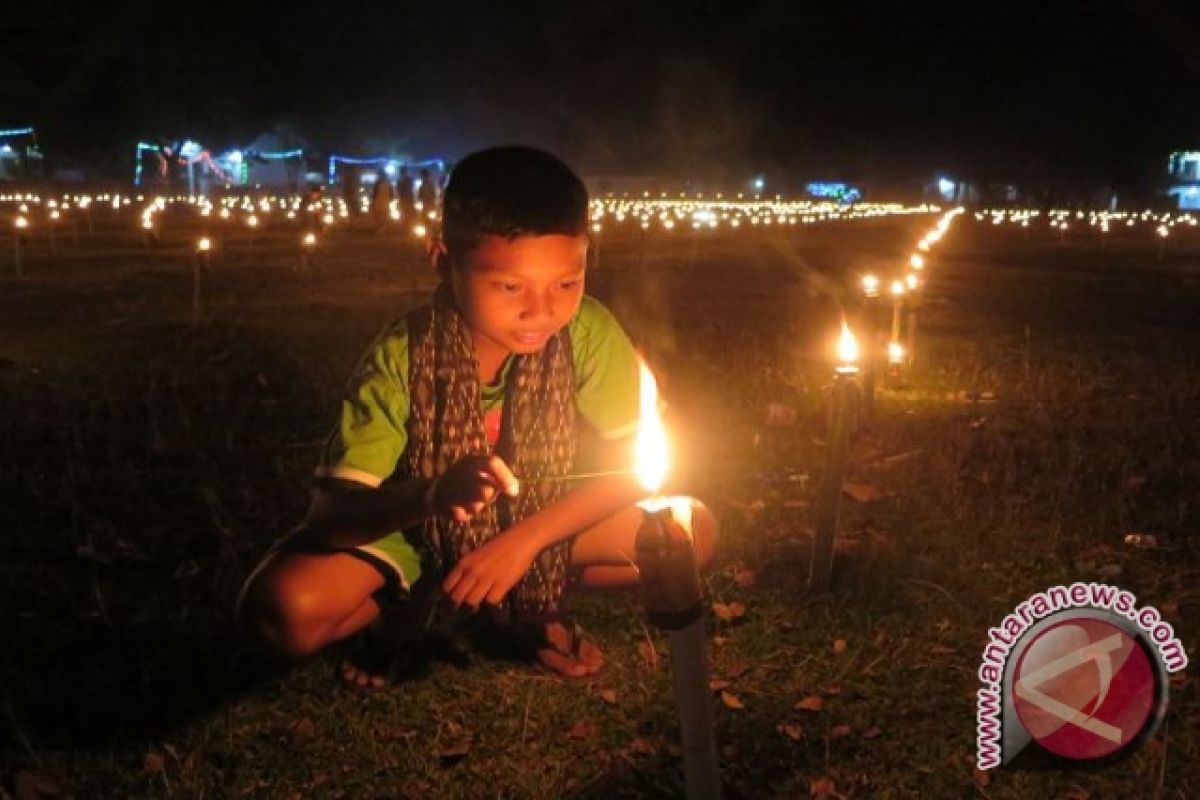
x=537 y=305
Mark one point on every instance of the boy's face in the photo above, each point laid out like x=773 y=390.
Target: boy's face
x=516 y=294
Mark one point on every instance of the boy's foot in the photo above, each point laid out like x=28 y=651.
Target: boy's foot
x=369 y=662
x=568 y=651
x=385 y=652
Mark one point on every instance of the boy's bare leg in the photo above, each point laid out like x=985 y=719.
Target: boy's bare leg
x=298 y=603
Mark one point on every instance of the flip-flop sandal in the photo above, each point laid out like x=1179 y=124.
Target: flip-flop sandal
x=523 y=637
x=396 y=648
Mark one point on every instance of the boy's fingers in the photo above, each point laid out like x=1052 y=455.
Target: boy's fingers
x=474 y=597
x=503 y=476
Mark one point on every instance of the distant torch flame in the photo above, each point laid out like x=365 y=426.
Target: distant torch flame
x=847 y=348
x=650 y=449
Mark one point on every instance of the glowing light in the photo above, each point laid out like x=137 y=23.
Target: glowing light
x=912 y=281
x=847 y=346
x=897 y=288
x=309 y=240
x=21 y=223
x=916 y=261
x=895 y=353
x=651 y=454
x=419 y=231
x=203 y=245
x=870 y=285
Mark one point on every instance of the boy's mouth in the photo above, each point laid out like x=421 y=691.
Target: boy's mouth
x=531 y=338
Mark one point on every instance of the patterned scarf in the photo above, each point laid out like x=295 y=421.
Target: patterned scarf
x=537 y=438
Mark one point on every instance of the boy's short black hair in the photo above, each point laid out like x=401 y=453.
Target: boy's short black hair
x=511 y=191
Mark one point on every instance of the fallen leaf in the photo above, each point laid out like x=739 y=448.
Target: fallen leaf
x=731 y=700
x=1108 y=571
x=729 y=752
x=822 y=788
x=648 y=653
x=643 y=746
x=717 y=684
x=1135 y=481
x=862 y=492
x=736 y=669
x=982 y=777
x=302 y=729
x=810 y=703
x=1142 y=541
x=941 y=650
x=871 y=732
x=581 y=730
x=839 y=731
x=839 y=646
x=608 y=696
x=791 y=731
x=153 y=763
x=730 y=612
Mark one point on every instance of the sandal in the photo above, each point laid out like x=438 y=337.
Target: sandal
x=527 y=638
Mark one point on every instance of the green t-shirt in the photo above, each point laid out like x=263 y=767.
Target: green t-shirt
x=369 y=439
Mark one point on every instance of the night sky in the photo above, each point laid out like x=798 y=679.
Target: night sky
x=1091 y=92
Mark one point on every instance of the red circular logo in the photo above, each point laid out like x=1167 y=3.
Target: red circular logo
x=1084 y=688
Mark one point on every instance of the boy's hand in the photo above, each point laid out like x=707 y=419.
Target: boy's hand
x=471 y=485
x=487 y=573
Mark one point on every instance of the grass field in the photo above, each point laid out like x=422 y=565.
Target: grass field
x=148 y=463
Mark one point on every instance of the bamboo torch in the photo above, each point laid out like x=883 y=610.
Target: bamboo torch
x=673 y=598
x=842 y=397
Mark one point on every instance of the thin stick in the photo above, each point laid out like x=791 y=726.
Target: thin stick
x=578 y=476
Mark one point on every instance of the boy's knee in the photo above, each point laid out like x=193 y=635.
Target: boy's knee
x=705 y=532
x=282 y=616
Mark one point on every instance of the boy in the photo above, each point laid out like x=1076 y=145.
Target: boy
x=445 y=470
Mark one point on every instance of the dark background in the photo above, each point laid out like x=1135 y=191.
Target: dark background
x=1086 y=94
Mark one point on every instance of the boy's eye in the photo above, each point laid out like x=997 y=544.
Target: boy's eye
x=507 y=286
x=571 y=284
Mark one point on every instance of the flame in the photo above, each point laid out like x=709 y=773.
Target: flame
x=895 y=352
x=204 y=245
x=870 y=285
x=650 y=449
x=847 y=348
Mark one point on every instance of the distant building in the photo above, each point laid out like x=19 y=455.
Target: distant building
x=20 y=158
x=1183 y=170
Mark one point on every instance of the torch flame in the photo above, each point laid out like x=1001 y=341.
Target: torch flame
x=847 y=348
x=650 y=448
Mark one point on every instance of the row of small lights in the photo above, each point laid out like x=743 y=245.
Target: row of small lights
x=1103 y=221
x=909 y=282
x=700 y=213
x=662 y=213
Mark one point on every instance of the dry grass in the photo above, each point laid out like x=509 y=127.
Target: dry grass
x=148 y=464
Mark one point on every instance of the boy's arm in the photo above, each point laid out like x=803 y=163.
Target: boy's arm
x=347 y=514
x=492 y=569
